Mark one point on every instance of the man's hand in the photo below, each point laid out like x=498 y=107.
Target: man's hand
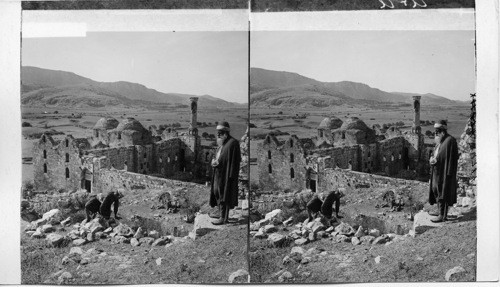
x=433 y=161
x=215 y=163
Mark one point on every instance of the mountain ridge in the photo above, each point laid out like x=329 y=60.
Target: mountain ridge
x=48 y=87
x=282 y=88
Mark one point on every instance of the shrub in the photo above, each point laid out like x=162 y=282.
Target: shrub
x=25 y=124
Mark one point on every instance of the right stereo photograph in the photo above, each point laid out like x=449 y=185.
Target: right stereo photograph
x=363 y=156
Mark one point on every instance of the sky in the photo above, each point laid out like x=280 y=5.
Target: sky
x=197 y=63
x=438 y=62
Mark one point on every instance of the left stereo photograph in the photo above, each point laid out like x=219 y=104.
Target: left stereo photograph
x=134 y=147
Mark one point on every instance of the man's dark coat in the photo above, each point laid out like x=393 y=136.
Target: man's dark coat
x=443 y=185
x=224 y=189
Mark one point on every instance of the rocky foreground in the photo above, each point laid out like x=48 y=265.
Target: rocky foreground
x=307 y=252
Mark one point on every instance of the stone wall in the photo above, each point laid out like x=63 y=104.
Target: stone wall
x=333 y=179
x=391 y=155
x=56 y=165
x=112 y=179
x=282 y=165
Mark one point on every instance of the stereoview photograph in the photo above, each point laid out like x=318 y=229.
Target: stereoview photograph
x=134 y=157
x=362 y=156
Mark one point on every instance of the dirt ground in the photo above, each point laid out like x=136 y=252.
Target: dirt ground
x=425 y=258
x=208 y=259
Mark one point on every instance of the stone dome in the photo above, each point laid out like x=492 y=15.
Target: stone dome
x=354 y=123
x=130 y=124
x=330 y=123
x=106 y=124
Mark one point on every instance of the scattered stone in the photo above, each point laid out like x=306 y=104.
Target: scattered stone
x=344 y=229
x=146 y=240
x=312 y=236
x=455 y=270
x=64 y=276
x=304 y=232
x=254 y=226
x=79 y=242
x=100 y=234
x=422 y=222
x=90 y=237
x=381 y=239
x=330 y=229
x=52 y=216
x=287 y=260
x=288 y=222
x=305 y=260
x=355 y=241
x=322 y=234
x=240 y=276
x=377 y=259
x=285 y=276
x=55 y=240
x=270 y=228
x=123 y=230
x=139 y=233
x=317 y=226
x=297 y=253
x=300 y=241
x=260 y=234
x=154 y=234
x=160 y=242
x=274 y=216
x=342 y=238
x=203 y=225
x=295 y=236
x=360 y=233
x=276 y=239
x=374 y=232
x=30 y=232
x=134 y=242
x=109 y=230
x=471 y=255
x=47 y=228
x=420 y=258
x=96 y=229
x=38 y=234
x=368 y=239
x=76 y=250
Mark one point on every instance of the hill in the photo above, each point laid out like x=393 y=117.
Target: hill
x=285 y=89
x=44 y=87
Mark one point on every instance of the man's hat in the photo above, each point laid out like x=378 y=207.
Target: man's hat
x=441 y=125
x=223 y=126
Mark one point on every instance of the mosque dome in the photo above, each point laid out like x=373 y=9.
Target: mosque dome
x=330 y=123
x=106 y=124
x=130 y=124
x=354 y=123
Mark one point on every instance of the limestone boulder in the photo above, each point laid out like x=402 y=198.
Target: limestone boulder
x=374 y=232
x=160 y=242
x=270 y=228
x=47 y=228
x=355 y=241
x=134 y=242
x=139 y=233
x=203 y=225
x=276 y=239
x=79 y=242
x=146 y=240
x=422 y=222
x=38 y=234
x=154 y=234
x=240 y=276
x=285 y=276
x=452 y=273
x=381 y=239
x=360 y=232
x=344 y=229
x=300 y=241
x=56 y=240
x=123 y=230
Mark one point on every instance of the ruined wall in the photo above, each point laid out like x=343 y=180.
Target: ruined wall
x=56 y=164
x=390 y=155
x=118 y=157
x=346 y=157
x=112 y=179
x=333 y=179
x=281 y=166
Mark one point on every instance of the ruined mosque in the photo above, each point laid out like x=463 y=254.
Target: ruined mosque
x=116 y=149
x=314 y=163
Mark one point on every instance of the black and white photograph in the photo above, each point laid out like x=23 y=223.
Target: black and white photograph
x=261 y=142
x=363 y=156
x=132 y=148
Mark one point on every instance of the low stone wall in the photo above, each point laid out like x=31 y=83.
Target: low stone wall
x=111 y=179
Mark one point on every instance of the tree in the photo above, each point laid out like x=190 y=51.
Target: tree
x=204 y=135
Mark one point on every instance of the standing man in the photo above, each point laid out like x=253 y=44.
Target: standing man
x=443 y=185
x=226 y=168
